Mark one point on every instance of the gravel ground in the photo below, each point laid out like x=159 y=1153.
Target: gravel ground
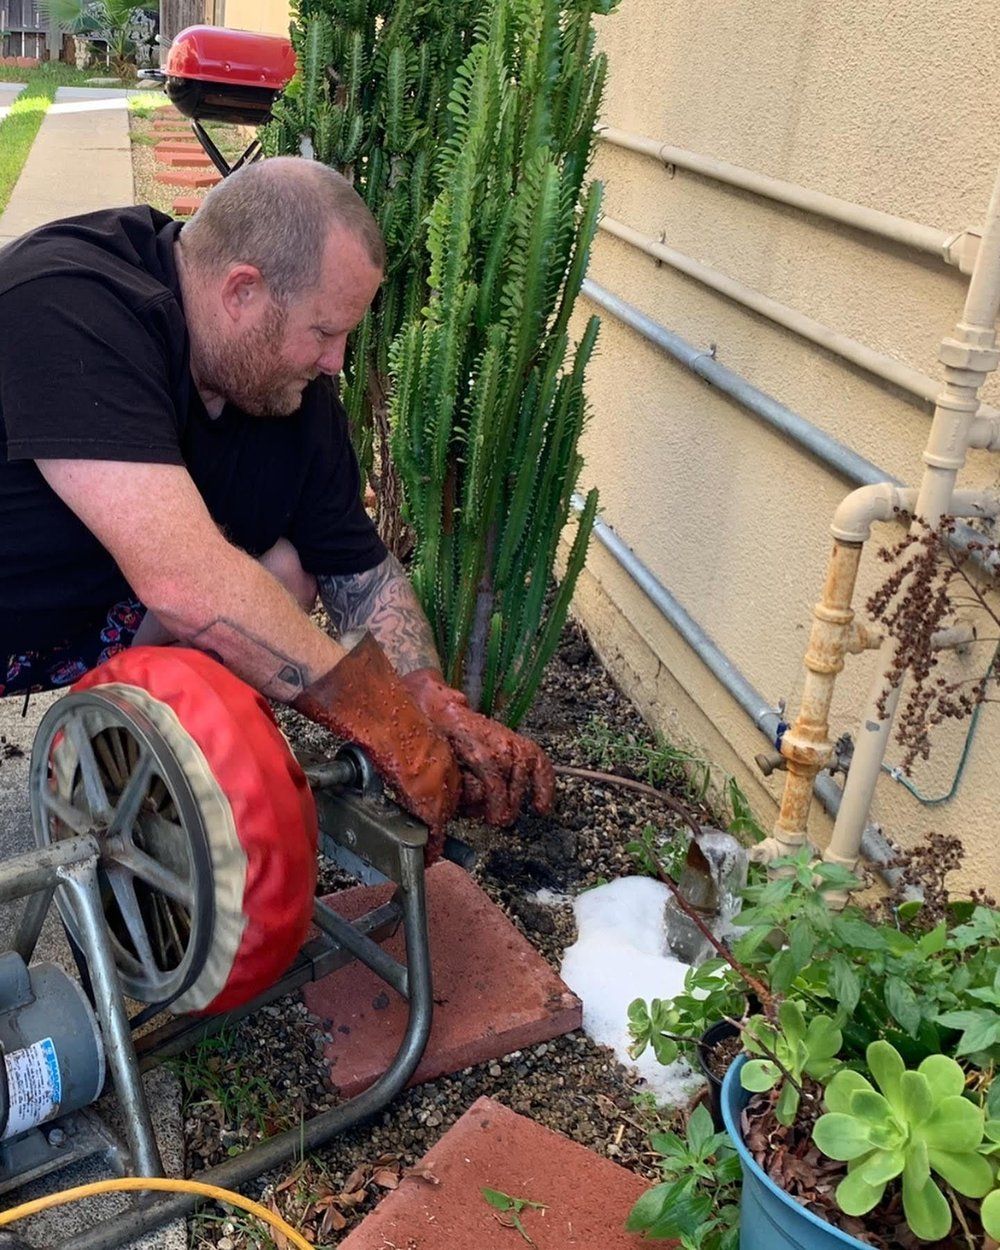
x=230 y=140
x=268 y=1071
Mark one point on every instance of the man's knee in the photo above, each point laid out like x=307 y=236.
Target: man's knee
x=282 y=562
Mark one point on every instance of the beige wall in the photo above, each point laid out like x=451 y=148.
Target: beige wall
x=269 y=17
x=886 y=104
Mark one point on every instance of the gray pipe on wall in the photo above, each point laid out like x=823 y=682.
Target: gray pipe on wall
x=955 y=247
x=829 y=451
x=826 y=449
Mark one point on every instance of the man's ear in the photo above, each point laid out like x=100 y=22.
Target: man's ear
x=243 y=291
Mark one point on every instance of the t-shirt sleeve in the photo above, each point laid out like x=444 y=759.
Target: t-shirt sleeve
x=83 y=376
x=330 y=529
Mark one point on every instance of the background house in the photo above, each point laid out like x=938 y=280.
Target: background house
x=23 y=29
x=886 y=105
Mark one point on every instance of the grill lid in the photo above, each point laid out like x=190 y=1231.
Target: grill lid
x=236 y=58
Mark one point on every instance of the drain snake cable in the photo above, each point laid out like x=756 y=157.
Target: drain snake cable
x=164 y=1185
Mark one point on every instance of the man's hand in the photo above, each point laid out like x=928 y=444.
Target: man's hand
x=364 y=699
x=499 y=768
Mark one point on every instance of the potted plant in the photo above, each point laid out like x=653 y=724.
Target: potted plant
x=839 y=1145
x=921 y=979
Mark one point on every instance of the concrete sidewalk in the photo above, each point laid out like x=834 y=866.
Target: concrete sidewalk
x=9 y=91
x=80 y=161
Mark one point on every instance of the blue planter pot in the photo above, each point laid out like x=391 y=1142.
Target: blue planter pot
x=769 y=1218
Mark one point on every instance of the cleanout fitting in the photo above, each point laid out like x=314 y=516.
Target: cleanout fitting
x=767 y=719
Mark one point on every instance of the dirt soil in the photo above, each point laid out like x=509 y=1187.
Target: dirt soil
x=570 y=1085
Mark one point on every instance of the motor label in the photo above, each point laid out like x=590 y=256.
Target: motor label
x=34 y=1084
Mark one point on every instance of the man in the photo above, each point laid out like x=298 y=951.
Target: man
x=174 y=465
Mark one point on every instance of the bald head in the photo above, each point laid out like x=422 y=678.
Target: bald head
x=278 y=216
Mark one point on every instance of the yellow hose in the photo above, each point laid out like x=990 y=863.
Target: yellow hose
x=126 y=1183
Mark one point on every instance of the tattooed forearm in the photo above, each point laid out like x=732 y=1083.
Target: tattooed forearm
x=273 y=673
x=382 y=601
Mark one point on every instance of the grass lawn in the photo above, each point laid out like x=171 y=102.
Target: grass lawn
x=19 y=127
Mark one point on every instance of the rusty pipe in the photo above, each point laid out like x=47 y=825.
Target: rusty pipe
x=806 y=746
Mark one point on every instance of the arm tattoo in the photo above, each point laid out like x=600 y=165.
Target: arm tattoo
x=383 y=602
x=281 y=678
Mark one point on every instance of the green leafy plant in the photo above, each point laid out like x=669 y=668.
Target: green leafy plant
x=712 y=992
x=916 y=1125
x=109 y=20
x=855 y=997
x=697 y=1202
x=511 y=1207
x=792 y=1050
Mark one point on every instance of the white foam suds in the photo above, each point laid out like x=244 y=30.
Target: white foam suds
x=620 y=954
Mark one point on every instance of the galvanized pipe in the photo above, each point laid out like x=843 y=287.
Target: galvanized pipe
x=806 y=746
x=910 y=381
x=236 y=1172
x=955 y=247
x=831 y=453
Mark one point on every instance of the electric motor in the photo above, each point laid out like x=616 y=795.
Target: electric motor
x=53 y=1058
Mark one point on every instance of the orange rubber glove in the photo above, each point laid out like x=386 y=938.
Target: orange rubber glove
x=363 y=700
x=499 y=767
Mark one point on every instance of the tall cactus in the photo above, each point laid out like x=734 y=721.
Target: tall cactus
x=468 y=128
x=370 y=98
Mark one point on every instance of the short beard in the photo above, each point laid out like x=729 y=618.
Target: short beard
x=243 y=371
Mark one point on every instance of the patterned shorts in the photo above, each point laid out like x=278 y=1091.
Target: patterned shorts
x=61 y=665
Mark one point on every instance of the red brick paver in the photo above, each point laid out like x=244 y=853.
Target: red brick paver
x=188 y=177
x=587 y=1198
x=493 y=992
x=165 y=146
x=185 y=160
x=186 y=205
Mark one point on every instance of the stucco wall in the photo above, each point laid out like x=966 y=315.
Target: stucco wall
x=886 y=104
x=268 y=17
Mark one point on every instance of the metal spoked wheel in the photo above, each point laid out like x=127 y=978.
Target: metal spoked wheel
x=100 y=766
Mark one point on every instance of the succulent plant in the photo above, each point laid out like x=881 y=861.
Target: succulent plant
x=916 y=1125
x=791 y=1050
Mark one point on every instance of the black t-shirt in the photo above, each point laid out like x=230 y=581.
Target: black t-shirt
x=94 y=366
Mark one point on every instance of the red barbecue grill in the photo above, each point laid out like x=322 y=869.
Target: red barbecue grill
x=220 y=75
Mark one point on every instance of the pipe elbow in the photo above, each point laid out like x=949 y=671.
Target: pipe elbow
x=984 y=433
x=853 y=519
